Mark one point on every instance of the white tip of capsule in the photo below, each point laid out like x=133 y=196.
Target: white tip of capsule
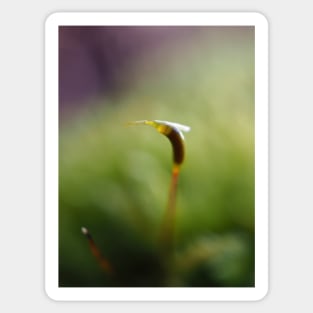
x=84 y=230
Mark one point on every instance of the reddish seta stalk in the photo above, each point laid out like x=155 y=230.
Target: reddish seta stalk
x=167 y=233
x=103 y=262
x=173 y=132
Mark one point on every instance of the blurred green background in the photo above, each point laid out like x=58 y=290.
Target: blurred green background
x=114 y=179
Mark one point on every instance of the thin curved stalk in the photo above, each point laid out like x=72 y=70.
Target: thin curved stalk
x=173 y=132
x=103 y=262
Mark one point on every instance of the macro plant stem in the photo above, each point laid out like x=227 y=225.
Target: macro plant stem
x=103 y=262
x=167 y=233
x=173 y=131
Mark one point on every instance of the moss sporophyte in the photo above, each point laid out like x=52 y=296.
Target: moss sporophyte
x=174 y=132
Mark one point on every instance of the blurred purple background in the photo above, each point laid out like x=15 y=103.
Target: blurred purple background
x=95 y=61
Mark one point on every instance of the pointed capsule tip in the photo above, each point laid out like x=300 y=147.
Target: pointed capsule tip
x=141 y=122
x=84 y=230
x=156 y=123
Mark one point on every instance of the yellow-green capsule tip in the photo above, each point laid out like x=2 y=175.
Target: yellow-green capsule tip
x=173 y=131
